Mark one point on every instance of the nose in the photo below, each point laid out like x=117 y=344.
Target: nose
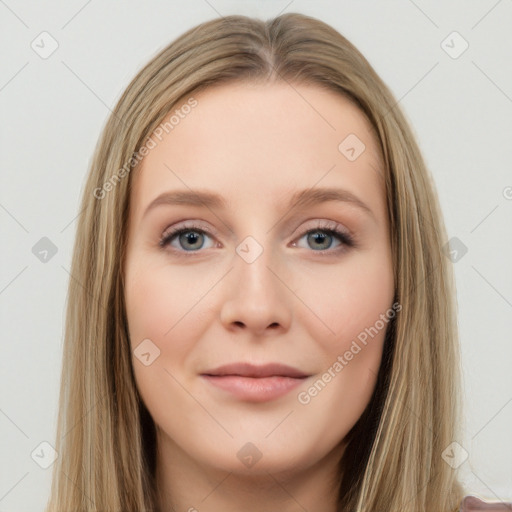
x=257 y=297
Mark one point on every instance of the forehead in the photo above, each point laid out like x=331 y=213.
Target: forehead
x=263 y=140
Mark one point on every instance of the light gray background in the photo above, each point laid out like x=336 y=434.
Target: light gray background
x=52 y=112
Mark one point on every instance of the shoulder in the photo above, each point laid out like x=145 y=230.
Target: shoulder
x=472 y=503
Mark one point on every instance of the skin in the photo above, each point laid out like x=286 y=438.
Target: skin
x=301 y=302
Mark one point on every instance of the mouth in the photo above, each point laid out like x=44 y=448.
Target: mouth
x=253 y=383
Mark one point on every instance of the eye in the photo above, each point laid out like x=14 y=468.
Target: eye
x=321 y=238
x=190 y=238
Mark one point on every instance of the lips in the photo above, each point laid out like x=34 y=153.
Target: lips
x=251 y=383
x=254 y=371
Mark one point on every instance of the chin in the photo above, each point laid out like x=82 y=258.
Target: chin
x=257 y=459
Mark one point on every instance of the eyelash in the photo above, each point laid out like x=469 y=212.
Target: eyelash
x=347 y=241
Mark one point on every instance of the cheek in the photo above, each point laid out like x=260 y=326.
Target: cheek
x=159 y=300
x=347 y=300
x=170 y=306
x=358 y=316
x=353 y=306
x=162 y=305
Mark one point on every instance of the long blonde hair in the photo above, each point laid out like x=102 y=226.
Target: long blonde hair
x=105 y=435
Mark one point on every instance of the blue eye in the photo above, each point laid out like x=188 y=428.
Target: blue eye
x=192 y=238
x=322 y=238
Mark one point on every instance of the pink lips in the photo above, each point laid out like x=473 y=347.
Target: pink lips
x=255 y=383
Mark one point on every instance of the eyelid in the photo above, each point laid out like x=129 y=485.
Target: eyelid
x=321 y=224
x=188 y=224
x=345 y=236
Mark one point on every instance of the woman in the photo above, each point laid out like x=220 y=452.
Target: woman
x=216 y=356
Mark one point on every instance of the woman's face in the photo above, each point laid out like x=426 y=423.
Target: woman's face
x=257 y=278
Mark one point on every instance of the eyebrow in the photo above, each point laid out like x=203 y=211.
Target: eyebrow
x=300 y=199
